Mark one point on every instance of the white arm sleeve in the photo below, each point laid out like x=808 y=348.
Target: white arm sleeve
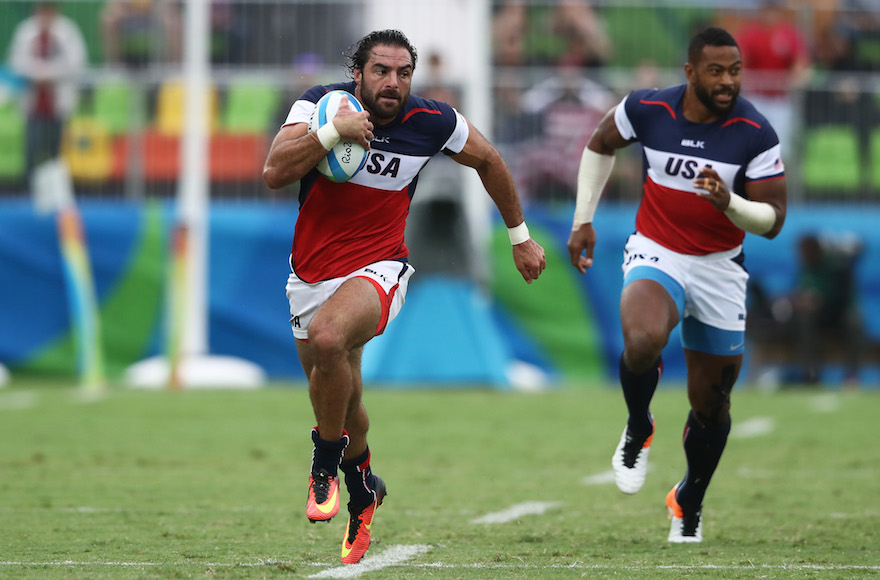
x=593 y=174
x=755 y=217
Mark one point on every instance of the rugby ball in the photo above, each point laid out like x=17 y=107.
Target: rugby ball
x=347 y=157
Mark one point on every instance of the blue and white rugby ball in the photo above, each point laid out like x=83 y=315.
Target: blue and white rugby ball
x=347 y=157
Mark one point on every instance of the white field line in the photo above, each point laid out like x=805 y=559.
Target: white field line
x=825 y=403
x=18 y=400
x=687 y=567
x=754 y=427
x=513 y=513
x=393 y=556
x=361 y=568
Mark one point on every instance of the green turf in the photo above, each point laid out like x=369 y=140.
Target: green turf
x=212 y=484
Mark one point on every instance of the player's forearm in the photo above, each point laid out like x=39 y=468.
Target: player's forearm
x=289 y=160
x=499 y=185
x=752 y=216
x=593 y=174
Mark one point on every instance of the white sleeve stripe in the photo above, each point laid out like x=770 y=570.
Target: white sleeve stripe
x=766 y=164
x=300 y=112
x=622 y=121
x=459 y=137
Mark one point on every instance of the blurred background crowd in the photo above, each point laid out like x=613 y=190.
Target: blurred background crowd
x=113 y=67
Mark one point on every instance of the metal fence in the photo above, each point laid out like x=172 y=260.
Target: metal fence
x=555 y=67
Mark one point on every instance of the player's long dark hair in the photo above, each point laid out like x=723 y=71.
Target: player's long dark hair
x=359 y=53
x=712 y=36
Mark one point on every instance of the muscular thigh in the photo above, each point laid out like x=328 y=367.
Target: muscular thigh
x=653 y=297
x=647 y=307
x=349 y=317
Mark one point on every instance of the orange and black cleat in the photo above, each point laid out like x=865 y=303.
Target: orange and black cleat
x=687 y=524
x=323 y=502
x=357 y=533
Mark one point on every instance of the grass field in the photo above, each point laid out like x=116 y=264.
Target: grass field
x=482 y=484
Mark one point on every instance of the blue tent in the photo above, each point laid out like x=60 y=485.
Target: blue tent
x=445 y=333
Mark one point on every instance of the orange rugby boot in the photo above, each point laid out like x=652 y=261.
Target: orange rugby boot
x=357 y=533
x=687 y=525
x=323 y=502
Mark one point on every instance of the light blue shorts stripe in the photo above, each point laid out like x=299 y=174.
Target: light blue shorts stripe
x=672 y=287
x=701 y=337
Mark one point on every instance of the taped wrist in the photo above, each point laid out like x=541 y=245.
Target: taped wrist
x=328 y=136
x=593 y=174
x=518 y=234
x=755 y=217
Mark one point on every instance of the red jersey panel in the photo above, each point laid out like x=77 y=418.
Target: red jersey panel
x=348 y=226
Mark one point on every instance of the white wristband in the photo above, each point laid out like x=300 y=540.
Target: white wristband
x=755 y=217
x=593 y=174
x=518 y=234
x=328 y=135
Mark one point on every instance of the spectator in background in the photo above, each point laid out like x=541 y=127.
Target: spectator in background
x=508 y=33
x=853 y=37
x=437 y=84
x=824 y=305
x=569 y=106
x=543 y=126
x=567 y=32
x=138 y=32
x=511 y=125
x=306 y=70
x=48 y=51
x=777 y=57
x=230 y=37
x=847 y=47
x=586 y=41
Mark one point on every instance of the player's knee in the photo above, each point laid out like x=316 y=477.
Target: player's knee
x=712 y=405
x=642 y=349
x=715 y=416
x=326 y=342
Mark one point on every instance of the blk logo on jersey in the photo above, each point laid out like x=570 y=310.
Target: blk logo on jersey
x=693 y=143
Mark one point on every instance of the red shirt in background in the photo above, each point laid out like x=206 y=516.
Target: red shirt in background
x=771 y=48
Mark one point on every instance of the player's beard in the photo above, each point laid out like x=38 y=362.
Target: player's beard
x=380 y=109
x=708 y=99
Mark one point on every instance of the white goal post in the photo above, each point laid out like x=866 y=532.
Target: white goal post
x=187 y=362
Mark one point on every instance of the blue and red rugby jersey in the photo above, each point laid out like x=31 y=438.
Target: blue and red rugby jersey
x=345 y=226
x=742 y=147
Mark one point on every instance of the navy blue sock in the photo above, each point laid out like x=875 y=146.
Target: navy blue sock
x=702 y=449
x=359 y=479
x=327 y=454
x=638 y=390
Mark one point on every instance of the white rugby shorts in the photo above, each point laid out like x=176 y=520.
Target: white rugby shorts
x=389 y=277
x=709 y=290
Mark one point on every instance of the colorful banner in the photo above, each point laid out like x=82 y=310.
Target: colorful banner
x=566 y=325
